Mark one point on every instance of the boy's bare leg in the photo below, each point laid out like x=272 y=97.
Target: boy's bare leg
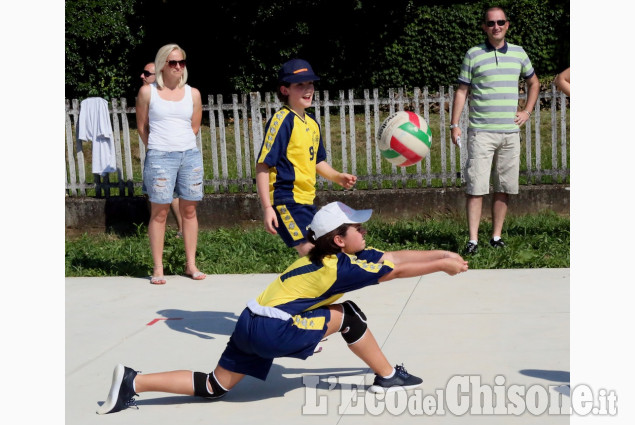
x=175 y=382
x=180 y=381
x=366 y=348
x=227 y=378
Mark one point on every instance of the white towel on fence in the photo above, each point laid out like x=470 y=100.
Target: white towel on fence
x=94 y=125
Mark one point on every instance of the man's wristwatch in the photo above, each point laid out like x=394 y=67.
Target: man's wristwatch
x=453 y=126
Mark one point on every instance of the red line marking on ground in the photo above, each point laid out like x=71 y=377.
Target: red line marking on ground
x=163 y=318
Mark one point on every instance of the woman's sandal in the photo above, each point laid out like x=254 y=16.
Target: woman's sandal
x=196 y=275
x=157 y=280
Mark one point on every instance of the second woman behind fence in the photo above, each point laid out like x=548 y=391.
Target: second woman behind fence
x=169 y=114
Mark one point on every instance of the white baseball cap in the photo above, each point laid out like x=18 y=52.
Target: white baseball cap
x=333 y=215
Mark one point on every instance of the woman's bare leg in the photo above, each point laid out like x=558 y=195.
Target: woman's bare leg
x=156 y=234
x=190 y=234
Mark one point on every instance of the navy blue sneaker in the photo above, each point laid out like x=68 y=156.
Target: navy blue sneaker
x=121 y=391
x=400 y=380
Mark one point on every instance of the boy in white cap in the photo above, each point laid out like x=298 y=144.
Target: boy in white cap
x=296 y=311
x=292 y=153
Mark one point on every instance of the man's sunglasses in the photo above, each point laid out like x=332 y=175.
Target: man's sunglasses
x=173 y=63
x=500 y=23
x=147 y=73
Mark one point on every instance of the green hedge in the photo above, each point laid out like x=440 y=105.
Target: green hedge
x=355 y=44
x=434 y=39
x=100 y=39
x=235 y=47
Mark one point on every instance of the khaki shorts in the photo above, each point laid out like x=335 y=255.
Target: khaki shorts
x=497 y=154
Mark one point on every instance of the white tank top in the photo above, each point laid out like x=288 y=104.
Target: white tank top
x=171 y=122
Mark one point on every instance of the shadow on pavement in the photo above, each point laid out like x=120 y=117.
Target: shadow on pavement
x=200 y=323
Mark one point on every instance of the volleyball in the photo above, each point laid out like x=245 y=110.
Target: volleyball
x=404 y=138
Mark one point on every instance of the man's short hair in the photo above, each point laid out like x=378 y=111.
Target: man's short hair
x=489 y=9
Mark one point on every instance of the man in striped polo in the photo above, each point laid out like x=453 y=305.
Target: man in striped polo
x=490 y=74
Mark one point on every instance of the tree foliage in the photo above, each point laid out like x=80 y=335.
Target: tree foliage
x=237 y=47
x=430 y=46
x=100 y=39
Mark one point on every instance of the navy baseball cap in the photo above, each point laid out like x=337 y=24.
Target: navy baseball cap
x=296 y=71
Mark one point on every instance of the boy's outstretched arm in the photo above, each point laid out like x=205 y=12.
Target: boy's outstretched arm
x=406 y=256
x=262 y=184
x=419 y=263
x=343 y=179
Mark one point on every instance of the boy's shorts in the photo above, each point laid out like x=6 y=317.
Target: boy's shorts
x=257 y=340
x=485 y=148
x=293 y=219
x=168 y=173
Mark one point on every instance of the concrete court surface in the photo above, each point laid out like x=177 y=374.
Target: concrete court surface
x=502 y=328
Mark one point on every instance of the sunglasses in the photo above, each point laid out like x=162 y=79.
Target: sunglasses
x=181 y=63
x=500 y=23
x=147 y=73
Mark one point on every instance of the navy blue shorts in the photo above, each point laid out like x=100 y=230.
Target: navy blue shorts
x=293 y=220
x=257 y=340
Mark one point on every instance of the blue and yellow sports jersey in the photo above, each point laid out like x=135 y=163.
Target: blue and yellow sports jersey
x=305 y=286
x=292 y=147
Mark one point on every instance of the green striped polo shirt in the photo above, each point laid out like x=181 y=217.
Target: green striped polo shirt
x=492 y=75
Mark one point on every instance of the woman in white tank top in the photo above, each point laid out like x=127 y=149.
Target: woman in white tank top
x=169 y=114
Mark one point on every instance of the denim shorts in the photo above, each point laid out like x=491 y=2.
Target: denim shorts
x=167 y=173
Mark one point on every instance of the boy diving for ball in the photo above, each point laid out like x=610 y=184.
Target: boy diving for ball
x=292 y=152
x=297 y=310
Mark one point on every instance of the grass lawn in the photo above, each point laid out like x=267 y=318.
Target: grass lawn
x=533 y=241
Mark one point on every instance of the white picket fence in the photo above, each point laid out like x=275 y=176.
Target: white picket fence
x=348 y=149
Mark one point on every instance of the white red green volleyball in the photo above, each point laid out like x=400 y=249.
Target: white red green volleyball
x=404 y=138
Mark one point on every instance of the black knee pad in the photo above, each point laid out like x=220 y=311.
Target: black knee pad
x=354 y=323
x=200 y=386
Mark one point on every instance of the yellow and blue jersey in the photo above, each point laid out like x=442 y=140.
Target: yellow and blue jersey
x=299 y=298
x=306 y=286
x=292 y=147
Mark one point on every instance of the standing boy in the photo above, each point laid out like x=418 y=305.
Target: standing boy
x=292 y=152
x=490 y=72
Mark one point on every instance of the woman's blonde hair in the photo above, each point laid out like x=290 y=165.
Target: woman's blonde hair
x=161 y=59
